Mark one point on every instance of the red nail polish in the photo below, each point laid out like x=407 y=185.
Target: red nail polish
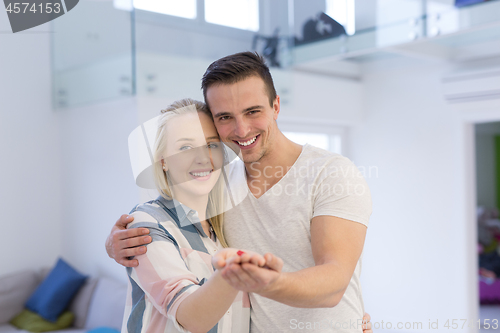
x=240 y=253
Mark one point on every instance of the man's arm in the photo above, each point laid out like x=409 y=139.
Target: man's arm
x=336 y=247
x=123 y=243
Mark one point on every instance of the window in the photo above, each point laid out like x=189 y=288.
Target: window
x=331 y=142
x=184 y=8
x=241 y=14
x=343 y=12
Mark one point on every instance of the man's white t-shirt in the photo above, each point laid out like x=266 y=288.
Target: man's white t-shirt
x=319 y=183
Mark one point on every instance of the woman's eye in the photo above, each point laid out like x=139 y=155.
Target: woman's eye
x=213 y=145
x=185 y=148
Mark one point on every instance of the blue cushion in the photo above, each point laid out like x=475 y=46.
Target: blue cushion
x=103 y=330
x=55 y=293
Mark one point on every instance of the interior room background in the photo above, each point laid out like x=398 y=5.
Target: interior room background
x=399 y=92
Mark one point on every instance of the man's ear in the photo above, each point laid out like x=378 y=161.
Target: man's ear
x=276 y=107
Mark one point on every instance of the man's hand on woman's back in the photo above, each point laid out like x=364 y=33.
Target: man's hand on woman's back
x=367 y=325
x=123 y=243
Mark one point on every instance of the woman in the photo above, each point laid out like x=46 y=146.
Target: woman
x=174 y=288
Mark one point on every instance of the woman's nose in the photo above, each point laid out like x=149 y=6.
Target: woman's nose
x=202 y=155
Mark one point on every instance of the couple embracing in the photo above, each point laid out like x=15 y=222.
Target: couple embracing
x=285 y=258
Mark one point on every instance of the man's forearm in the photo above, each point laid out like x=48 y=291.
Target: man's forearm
x=313 y=287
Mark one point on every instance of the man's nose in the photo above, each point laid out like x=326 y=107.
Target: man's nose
x=242 y=128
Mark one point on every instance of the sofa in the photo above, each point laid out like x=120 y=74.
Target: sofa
x=99 y=303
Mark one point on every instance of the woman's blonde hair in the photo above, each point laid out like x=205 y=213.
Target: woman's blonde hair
x=215 y=207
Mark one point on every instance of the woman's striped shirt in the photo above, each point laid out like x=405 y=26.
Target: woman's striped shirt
x=176 y=264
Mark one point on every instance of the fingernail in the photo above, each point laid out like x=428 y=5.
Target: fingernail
x=240 y=253
x=143 y=250
x=145 y=231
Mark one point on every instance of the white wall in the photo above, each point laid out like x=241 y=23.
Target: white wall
x=30 y=190
x=66 y=176
x=98 y=182
x=416 y=252
x=325 y=98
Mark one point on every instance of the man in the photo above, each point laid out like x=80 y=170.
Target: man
x=306 y=206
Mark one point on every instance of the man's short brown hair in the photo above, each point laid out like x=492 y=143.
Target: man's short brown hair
x=235 y=68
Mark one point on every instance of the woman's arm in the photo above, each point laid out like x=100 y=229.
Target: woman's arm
x=173 y=289
x=201 y=310
x=210 y=302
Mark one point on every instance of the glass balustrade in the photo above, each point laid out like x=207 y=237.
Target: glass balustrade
x=105 y=50
x=394 y=23
x=92 y=54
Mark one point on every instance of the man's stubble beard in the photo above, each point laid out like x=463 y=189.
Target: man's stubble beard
x=264 y=152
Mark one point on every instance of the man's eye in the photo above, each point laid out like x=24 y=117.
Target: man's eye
x=213 y=145
x=224 y=118
x=253 y=111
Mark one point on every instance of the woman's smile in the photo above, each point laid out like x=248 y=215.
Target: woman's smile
x=201 y=174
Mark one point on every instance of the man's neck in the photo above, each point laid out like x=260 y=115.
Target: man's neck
x=266 y=172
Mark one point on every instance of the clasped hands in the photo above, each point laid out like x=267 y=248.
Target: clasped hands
x=248 y=271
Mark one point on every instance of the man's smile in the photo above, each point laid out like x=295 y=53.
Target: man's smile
x=246 y=144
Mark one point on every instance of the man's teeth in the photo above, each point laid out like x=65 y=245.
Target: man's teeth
x=249 y=142
x=201 y=174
